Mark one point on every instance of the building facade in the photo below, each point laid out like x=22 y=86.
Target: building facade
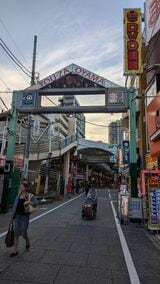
x=76 y=122
x=115 y=132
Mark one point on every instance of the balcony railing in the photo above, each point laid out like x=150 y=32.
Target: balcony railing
x=44 y=147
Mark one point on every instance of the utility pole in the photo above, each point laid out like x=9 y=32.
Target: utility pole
x=34 y=61
x=28 y=142
x=133 y=154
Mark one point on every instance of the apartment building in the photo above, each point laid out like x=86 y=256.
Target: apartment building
x=115 y=132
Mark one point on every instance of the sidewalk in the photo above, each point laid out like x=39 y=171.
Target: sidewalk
x=145 y=250
x=144 y=247
x=4 y=222
x=5 y=218
x=66 y=249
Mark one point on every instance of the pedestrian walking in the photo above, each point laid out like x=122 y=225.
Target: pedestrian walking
x=72 y=187
x=69 y=189
x=77 y=187
x=20 y=217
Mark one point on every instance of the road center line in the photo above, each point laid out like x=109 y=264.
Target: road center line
x=128 y=259
x=45 y=213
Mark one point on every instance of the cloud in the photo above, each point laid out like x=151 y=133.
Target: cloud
x=12 y=80
x=113 y=73
x=73 y=37
x=90 y=50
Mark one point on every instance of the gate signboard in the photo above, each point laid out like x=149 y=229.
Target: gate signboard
x=73 y=80
x=27 y=100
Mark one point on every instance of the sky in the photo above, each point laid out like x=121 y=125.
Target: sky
x=88 y=33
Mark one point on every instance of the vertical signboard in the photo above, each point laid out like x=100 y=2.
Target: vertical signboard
x=154 y=203
x=152 y=18
x=125 y=152
x=132 y=41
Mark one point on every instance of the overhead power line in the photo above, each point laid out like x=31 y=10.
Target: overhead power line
x=50 y=100
x=102 y=125
x=14 y=58
x=6 y=29
x=4 y=84
x=3 y=103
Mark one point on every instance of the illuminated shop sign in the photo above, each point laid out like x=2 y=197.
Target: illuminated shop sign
x=132 y=41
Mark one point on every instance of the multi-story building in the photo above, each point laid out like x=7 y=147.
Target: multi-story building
x=115 y=132
x=76 y=122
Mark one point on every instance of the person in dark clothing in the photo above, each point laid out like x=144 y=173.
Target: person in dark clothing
x=92 y=196
x=73 y=187
x=20 y=218
x=87 y=187
x=77 y=187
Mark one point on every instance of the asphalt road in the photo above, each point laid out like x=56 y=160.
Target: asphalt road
x=67 y=249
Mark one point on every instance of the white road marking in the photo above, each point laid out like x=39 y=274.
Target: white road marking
x=128 y=259
x=53 y=209
x=49 y=211
x=3 y=234
x=43 y=208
